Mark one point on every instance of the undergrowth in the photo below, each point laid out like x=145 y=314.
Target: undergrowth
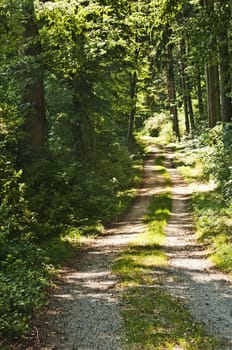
x=210 y=205
x=213 y=224
x=24 y=276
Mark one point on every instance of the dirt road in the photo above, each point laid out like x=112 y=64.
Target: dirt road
x=84 y=311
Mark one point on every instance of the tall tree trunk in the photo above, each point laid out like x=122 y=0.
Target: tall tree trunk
x=133 y=96
x=78 y=133
x=190 y=109
x=200 y=95
x=225 y=76
x=212 y=80
x=172 y=92
x=34 y=126
x=213 y=94
x=184 y=86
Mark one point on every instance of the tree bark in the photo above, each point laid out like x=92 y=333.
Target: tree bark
x=213 y=94
x=212 y=80
x=190 y=108
x=33 y=98
x=200 y=95
x=172 y=92
x=133 y=95
x=184 y=86
x=225 y=75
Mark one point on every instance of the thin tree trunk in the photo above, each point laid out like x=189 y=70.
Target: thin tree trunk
x=78 y=133
x=212 y=80
x=213 y=94
x=190 y=110
x=184 y=86
x=200 y=95
x=225 y=76
x=172 y=92
x=133 y=95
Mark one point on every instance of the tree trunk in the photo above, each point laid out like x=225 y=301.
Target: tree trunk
x=184 y=86
x=200 y=95
x=34 y=126
x=213 y=94
x=172 y=92
x=133 y=95
x=225 y=76
x=190 y=109
x=212 y=79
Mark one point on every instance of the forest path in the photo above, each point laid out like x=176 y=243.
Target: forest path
x=84 y=312
x=206 y=291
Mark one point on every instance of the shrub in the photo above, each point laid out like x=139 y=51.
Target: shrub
x=218 y=158
x=155 y=124
x=23 y=277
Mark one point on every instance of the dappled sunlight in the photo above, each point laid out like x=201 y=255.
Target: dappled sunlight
x=91 y=289
x=191 y=276
x=64 y=296
x=202 y=187
x=150 y=271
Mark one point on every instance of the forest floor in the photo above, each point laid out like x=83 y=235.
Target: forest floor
x=84 y=312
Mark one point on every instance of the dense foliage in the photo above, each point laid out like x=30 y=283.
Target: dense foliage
x=78 y=80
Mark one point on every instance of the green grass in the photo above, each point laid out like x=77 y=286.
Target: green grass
x=222 y=255
x=213 y=224
x=161 y=170
x=145 y=252
x=212 y=219
x=63 y=248
x=189 y=165
x=154 y=319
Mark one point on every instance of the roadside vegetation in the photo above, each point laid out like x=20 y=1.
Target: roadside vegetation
x=205 y=163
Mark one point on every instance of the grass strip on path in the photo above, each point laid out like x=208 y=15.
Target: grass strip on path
x=154 y=319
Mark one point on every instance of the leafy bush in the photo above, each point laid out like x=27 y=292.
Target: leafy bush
x=50 y=190
x=212 y=209
x=15 y=215
x=23 y=277
x=214 y=226
x=64 y=194
x=154 y=125
x=218 y=158
x=23 y=269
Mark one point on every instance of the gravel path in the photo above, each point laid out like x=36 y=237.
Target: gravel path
x=84 y=312
x=192 y=277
